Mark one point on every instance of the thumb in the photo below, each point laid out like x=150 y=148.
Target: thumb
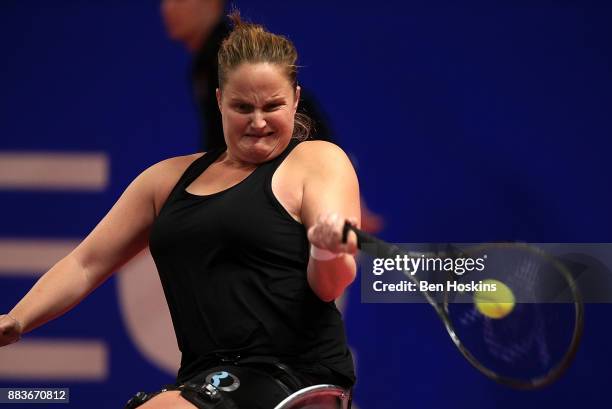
x=351 y=243
x=310 y=233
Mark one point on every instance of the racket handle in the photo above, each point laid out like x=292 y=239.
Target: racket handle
x=373 y=245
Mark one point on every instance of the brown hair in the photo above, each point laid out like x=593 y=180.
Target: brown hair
x=252 y=43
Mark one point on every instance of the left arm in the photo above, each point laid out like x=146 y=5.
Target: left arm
x=330 y=195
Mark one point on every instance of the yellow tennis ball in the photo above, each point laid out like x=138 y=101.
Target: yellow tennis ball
x=497 y=301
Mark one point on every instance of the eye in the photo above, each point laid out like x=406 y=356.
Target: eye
x=243 y=108
x=273 y=107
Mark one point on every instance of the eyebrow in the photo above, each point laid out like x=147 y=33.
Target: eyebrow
x=276 y=100
x=273 y=100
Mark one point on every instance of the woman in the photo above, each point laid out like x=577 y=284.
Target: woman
x=247 y=240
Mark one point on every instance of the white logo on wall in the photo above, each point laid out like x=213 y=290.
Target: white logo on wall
x=25 y=259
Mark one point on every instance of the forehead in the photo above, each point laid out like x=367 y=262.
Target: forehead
x=257 y=78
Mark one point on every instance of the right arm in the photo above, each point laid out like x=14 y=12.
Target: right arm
x=121 y=234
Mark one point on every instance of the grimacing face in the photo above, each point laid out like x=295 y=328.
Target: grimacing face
x=258 y=105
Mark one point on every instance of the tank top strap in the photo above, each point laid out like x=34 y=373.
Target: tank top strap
x=199 y=166
x=270 y=167
x=195 y=169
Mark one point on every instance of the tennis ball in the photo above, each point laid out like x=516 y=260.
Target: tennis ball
x=494 y=304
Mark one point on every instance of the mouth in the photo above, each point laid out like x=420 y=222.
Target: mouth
x=260 y=135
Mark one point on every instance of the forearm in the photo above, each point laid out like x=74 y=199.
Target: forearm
x=329 y=278
x=56 y=292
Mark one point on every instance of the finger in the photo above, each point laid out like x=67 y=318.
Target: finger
x=317 y=236
x=338 y=224
x=325 y=231
x=310 y=232
x=312 y=235
x=352 y=243
x=328 y=225
x=337 y=233
x=350 y=246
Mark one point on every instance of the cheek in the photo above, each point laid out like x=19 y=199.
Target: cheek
x=234 y=122
x=282 y=120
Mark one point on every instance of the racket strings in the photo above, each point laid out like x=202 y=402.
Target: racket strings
x=514 y=350
x=524 y=283
x=532 y=345
x=529 y=342
x=523 y=280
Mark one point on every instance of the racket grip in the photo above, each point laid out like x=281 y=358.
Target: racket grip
x=362 y=237
x=374 y=246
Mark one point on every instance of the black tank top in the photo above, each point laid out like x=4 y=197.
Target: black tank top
x=233 y=268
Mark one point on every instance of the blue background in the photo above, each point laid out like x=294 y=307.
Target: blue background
x=471 y=121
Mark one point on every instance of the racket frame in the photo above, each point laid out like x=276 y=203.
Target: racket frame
x=367 y=242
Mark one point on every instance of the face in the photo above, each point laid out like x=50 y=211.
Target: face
x=258 y=105
x=186 y=20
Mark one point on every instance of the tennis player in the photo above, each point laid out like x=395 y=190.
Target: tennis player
x=246 y=239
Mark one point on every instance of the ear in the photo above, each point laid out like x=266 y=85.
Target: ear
x=218 y=94
x=298 y=91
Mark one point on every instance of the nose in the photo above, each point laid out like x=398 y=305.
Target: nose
x=258 y=120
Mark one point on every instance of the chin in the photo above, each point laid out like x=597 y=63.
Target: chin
x=262 y=149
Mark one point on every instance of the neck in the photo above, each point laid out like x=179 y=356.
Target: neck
x=195 y=42
x=229 y=160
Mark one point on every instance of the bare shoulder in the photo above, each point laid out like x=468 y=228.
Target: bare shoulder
x=321 y=156
x=161 y=177
x=174 y=164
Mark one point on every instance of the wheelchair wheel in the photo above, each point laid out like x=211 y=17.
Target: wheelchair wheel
x=318 y=397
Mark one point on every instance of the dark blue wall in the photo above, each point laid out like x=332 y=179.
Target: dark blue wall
x=471 y=121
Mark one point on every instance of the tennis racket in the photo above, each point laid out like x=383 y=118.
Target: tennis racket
x=530 y=346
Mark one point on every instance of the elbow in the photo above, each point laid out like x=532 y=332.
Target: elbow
x=84 y=267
